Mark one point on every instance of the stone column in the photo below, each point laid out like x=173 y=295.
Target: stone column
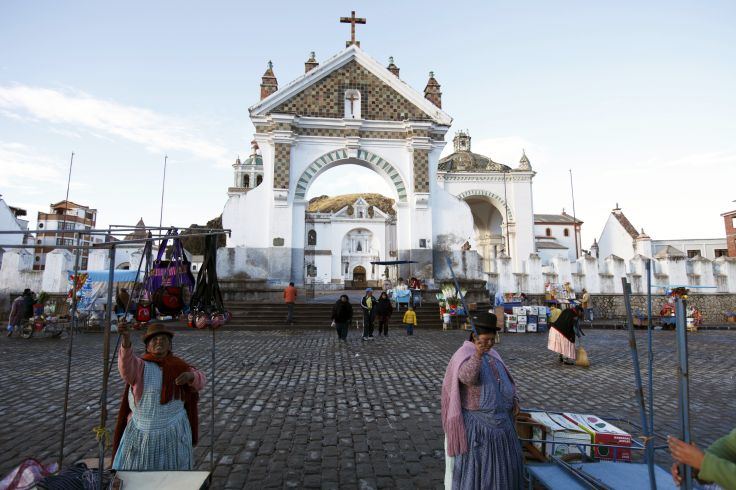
x=58 y=263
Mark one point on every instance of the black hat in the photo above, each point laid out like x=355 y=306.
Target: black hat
x=156 y=329
x=485 y=322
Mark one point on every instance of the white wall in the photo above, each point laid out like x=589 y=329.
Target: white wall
x=615 y=240
x=707 y=246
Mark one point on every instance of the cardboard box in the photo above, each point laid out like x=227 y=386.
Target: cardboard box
x=531 y=327
x=511 y=327
x=518 y=310
x=500 y=317
x=521 y=319
x=561 y=436
x=521 y=328
x=602 y=432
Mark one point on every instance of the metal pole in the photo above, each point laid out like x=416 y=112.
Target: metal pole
x=163 y=187
x=637 y=376
x=212 y=417
x=651 y=351
x=506 y=206
x=574 y=218
x=105 y=356
x=462 y=298
x=69 y=356
x=66 y=199
x=683 y=386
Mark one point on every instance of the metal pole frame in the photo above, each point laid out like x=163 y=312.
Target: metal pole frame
x=101 y=437
x=683 y=386
x=73 y=327
x=639 y=393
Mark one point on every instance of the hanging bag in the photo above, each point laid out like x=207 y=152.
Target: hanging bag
x=168 y=278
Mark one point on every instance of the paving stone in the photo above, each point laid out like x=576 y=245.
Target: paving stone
x=296 y=409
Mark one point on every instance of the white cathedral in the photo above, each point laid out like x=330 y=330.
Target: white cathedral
x=352 y=110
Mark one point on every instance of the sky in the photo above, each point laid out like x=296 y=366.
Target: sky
x=635 y=98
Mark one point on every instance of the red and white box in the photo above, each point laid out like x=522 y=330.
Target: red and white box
x=602 y=432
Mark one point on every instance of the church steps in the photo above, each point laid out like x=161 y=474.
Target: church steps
x=309 y=315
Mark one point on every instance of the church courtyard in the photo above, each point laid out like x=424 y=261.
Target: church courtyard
x=298 y=409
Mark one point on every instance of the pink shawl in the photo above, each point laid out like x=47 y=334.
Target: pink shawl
x=452 y=410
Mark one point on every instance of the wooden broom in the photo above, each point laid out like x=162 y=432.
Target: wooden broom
x=581 y=357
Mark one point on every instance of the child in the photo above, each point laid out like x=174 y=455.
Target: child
x=410 y=320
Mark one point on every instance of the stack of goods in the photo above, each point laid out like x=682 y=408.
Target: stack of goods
x=527 y=319
x=571 y=433
x=558 y=292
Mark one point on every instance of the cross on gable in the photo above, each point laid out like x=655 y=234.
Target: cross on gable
x=352 y=20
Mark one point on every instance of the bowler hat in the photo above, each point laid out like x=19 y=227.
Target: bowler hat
x=485 y=322
x=156 y=329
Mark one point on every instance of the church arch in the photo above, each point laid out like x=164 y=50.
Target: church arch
x=339 y=157
x=498 y=201
x=312 y=237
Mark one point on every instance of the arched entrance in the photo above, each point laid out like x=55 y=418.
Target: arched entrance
x=489 y=223
x=359 y=278
x=368 y=225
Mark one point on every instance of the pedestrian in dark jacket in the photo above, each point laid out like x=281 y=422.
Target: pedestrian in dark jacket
x=29 y=297
x=383 y=312
x=342 y=315
x=21 y=309
x=368 y=303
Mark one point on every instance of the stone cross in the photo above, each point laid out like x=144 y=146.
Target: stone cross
x=352 y=98
x=352 y=20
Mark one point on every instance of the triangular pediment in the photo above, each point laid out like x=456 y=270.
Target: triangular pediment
x=321 y=91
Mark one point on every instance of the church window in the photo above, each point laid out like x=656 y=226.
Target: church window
x=548 y=232
x=359 y=247
x=246 y=181
x=360 y=214
x=259 y=179
x=693 y=253
x=721 y=252
x=567 y=232
x=352 y=104
x=312 y=237
x=422 y=243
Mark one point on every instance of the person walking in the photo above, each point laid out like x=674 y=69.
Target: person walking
x=342 y=315
x=290 y=299
x=368 y=304
x=410 y=320
x=384 y=309
x=479 y=406
x=587 y=306
x=16 y=312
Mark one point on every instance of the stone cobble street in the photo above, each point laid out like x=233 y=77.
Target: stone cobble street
x=299 y=409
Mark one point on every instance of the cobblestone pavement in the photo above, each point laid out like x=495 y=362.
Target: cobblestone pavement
x=298 y=409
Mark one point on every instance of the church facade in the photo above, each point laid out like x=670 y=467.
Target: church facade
x=352 y=110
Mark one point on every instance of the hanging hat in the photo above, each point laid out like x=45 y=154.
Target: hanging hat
x=485 y=322
x=156 y=329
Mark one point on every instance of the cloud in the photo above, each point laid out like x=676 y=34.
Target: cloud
x=24 y=169
x=78 y=111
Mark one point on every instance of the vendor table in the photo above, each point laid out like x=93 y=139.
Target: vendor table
x=623 y=476
x=164 y=480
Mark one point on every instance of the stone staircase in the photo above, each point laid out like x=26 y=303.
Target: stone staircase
x=272 y=316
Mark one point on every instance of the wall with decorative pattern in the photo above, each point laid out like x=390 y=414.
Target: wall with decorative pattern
x=326 y=98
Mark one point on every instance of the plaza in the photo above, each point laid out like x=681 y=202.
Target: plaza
x=299 y=409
